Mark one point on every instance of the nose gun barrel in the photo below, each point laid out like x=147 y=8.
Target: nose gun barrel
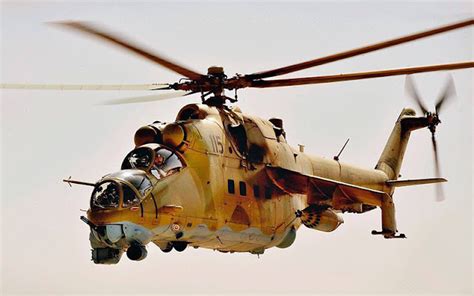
x=69 y=181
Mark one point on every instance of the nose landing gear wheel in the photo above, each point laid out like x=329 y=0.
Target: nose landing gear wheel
x=136 y=252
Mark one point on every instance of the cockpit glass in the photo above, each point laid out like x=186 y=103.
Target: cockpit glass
x=129 y=197
x=105 y=195
x=140 y=158
x=165 y=163
x=137 y=178
x=139 y=181
x=158 y=160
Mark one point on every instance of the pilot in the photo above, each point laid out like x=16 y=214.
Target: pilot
x=158 y=163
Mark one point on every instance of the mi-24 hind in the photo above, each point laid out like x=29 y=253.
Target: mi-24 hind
x=222 y=179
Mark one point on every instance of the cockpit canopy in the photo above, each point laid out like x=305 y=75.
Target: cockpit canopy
x=155 y=158
x=124 y=188
x=131 y=185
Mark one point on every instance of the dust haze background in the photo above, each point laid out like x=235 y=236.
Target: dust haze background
x=50 y=135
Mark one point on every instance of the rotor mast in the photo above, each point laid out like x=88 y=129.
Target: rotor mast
x=216 y=79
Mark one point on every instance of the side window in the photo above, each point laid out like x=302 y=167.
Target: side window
x=242 y=188
x=129 y=197
x=256 y=191
x=268 y=192
x=230 y=186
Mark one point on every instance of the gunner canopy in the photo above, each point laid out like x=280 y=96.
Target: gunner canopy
x=125 y=188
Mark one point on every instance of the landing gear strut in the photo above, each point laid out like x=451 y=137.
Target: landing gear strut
x=388 y=234
x=168 y=248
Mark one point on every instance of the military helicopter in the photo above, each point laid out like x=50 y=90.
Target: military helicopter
x=220 y=179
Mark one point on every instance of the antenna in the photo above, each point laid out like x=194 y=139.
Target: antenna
x=336 y=158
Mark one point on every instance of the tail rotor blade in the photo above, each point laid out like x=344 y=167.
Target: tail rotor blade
x=448 y=92
x=439 y=187
x=412 y=92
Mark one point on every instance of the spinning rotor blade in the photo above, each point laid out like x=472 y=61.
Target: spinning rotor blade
x=448 y=92
x=439 y=187
x=150 y=98
x=101 y=34
x=357 y=51
x=357 y=76
x=412 y=92
x=152 y=86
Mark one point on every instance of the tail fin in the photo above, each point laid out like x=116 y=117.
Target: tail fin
x=390 y=163
x=391 y=159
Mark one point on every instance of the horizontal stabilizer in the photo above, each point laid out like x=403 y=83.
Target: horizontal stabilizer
x=402 y=183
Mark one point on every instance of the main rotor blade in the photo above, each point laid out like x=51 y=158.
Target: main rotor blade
x=412 y=92
x=439 y=187
x=150 y=98
x=448 y=92
x=114 y=39
x=358 y=51
x=152 y=86
x=357 y=76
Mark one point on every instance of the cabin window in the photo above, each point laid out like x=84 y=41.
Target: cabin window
x=268 y=192
x=230 y=186
x=242 y=188
x=256 y=191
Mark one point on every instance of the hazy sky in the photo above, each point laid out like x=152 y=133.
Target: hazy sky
x=50 y=135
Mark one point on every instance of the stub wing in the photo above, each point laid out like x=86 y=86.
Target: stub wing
x=319 y=188
x=340 y=195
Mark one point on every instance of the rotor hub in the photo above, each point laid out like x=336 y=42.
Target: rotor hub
x=215 y=71
x=433 y=121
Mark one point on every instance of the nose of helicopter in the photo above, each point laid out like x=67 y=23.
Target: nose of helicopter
x=119 y=235
x=110 y=234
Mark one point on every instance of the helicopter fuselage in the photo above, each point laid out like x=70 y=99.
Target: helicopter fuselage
x=225 y=194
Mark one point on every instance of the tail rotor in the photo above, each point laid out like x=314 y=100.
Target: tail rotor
x=433 y=120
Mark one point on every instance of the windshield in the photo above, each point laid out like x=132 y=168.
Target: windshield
x=105 y=195
x=140 y=158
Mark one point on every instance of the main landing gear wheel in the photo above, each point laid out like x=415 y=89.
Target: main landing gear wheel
x=180 y=246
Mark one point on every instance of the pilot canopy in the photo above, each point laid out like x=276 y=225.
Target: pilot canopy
x=160 y=161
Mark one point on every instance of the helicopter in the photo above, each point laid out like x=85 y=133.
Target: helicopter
x=221 y=179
